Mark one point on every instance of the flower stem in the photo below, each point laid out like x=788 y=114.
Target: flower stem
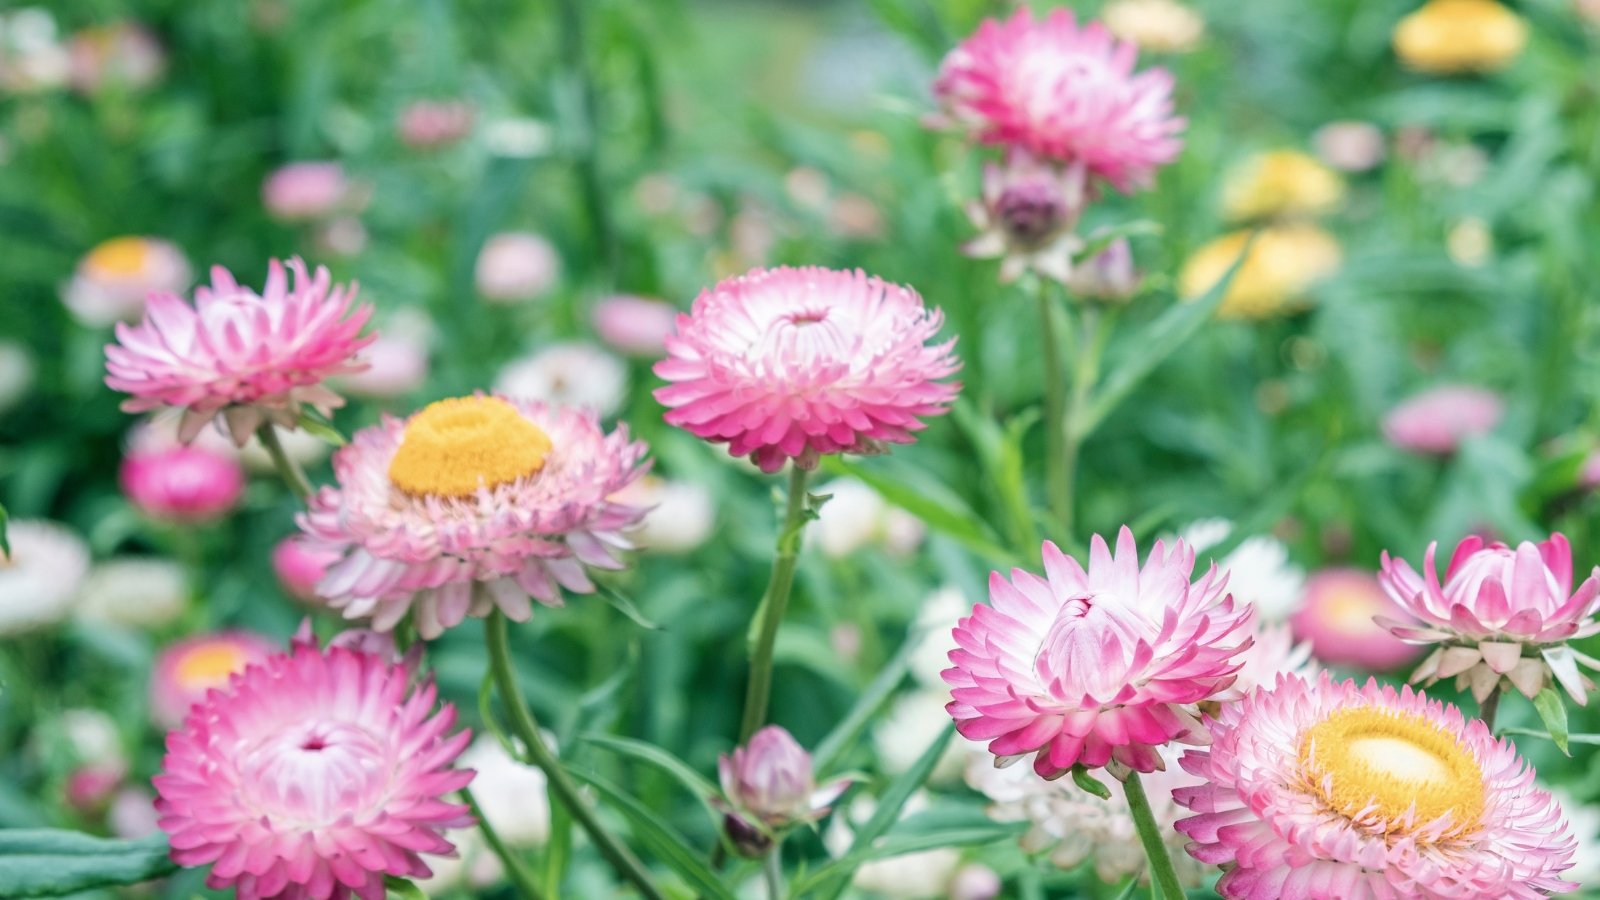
x=1085 y=372
x=1490 y=707
x=539 y=754
x=293 y=476
x=769 y=615
x=772 y=868
x=1162 y=875
x=515 y=870
x=1058 y=477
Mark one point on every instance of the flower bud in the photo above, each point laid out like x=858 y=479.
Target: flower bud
x=1029 y=211
x=1108 y=276
x=769 y=782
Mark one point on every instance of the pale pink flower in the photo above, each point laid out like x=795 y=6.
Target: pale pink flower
x=249 y=357
x=1086 y=667
x=1327 y=790
x=785 y=364
x=1588 y=476
x=1273 y=651
x=313 y=775
x=1336 y=617
x=1350 y=146
x=427 y=124
x=89 y=788
x=1437 y=420
x=975 y=881
x=1062 y=92
x=132 y=813
x=471 y=504
x=516 y=266
x=112 y=280
x=190 y=484
x=571 y=373
x=305 y=191
x=121 y=54
x=396 y=364
x=1028 y=216
x=41 y=576
x=635 y=325
x=299 y=566
x=185 y=671
x=769 y=785
x=1501 y=612
x=1106 y=277
x=681 y=514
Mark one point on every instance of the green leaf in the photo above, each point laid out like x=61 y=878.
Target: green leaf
x=5 y=543
x=899 y=845
x=1554 y=713
x=1105 y=237
x=696 y=784
x=1082 y=778
x=1000 y=450
x=53 y=862
x=931 y=502
x=318 y=427
x=626 y=607
x=867 y=706
x=403 y=888
x=660 y=838
x=1533 y=732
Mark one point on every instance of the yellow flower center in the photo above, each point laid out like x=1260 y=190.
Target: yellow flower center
x=1386 y=761
x=454 y=447
x=119 y=256
x=209 y=665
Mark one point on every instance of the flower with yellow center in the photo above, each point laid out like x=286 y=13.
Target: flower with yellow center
x=114 y=277
x=1281 y=184
x=1447 y=37
x=186 y=670
x=454 y=448
x=1329 y=789
x=1160 y=26
x=1283 y=263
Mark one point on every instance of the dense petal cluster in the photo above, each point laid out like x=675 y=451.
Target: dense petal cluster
x=788 y=363
x=250 y=357
x=1328 y=789
x=312 y=776
x=1501 y=612
x=1063 y=92
x=1085 y=667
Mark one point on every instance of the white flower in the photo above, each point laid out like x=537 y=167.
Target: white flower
x=514 y=267
x=910 y=876
x=1583 y=821
x=935 y=621
x=16 y=373
x=855 y=516
x=40 y=579
x=1259 y=570
x=511 y=794
x=571 y=374
x=142 y=592
x=92 y=735
x=682 y=516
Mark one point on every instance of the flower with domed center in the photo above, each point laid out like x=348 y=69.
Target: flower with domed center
x=470 y=504
x=251 y=358
x=1501 y=612
x=112 y=280
x=1062 y=92
x=1028 y=216
x=1330 y=790
x=1085 y=667
x=312 y=776
x=784 y=364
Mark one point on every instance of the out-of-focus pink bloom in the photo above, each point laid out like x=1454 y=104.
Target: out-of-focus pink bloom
x=89 y=788
x=132 y=814
x=785 y=364
x=975 y=881
x=516 y=266
x=575 y=373
x=681 y=514
x=342 y=237
x=769 y=782
x=397 y=364
x=1501 y=612
x=113 y=280
x=249 y=357
x=121 y=54
x=1062 y=92
x=1328 y=790
x=305 y=191
x=185 y=671
x=1350 y=146
x=427 y=124
x=299 y=566
x=1437 y=420
x=1336 y=617
x=189 y=485
x=1107 y=276
x=1088 y=666
x=856 y=516
x=1028 y=216
x=312 y=776
x=635 y=325
x=855 y=216
x=1589 y=475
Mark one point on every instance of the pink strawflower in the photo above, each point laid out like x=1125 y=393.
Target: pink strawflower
x=113 y=279
x=1329 y=790
x=190 y=485
x=1336 y=617
x=185 y=671
x=120 y=54
x=250 y=357
x=313 y=775
x=1501 y=612
x=471 y=504
x=1062 y=92
x=1028 y=216
x=769 y=780
x=305 y=191
x=299 y=566
x=515 y=267
x=1437 y=420
x=635 y=325
x=428 y=124
x=788 y=363
x=1082 y=668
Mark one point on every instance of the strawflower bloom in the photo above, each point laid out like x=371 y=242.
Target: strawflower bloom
x=1085 y=667
x=516 y=266
x=573 y=373
x=182 y=484
x=1260 y=571
x=1447 y=37
x=1438 y=419
x=768 y=783
x=785 y=364
x=185 y=671
x=1501 y=612
x=121 y=54
x=251 y=358
x=1159 y=26
x=1273 y=651
x=637 y=326
x=1350 y=146
x=312 y=776
x=1280 y=183
x=470 y=504
x=1284 y=263
x=112 y=280
x=396 y=364
x=511 y=793
x=682 y=514
x=1062 y=92
x=39 y=580
x=857 y=516
x=1337 y=619
x=1028 y=216
x=305 y=191
x=1327 y=789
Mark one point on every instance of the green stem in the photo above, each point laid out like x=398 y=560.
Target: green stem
x=772 y=868
x=1058 y=484
x=1490 y=707
x=287 y=468
x=539 y=754
x=590 y=173
x=769 y=615
x=1085 y=372
x=519 y=875
x=1163 y=876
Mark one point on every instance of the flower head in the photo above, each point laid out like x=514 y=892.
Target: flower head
x=1259 y=569
x=429 y=124
x=1350 y=145
x=311 y=776
x=39 y=579
x=135 y=591
x=1328 y=789
x=1086 y=666
x=112 y=280
x=186 y=671
x=1283 y=264
x=574 y=373
x=787 y=364
x=1108 y=276
x=305 y=191
x=249 y=357
x=190 y=484
x=123 y=54
x=1337 y=619
x=1437 y=420
x=1456 y=36
x=1501 y=611
x=1028 y=216
x=470 y=504
x=510 y=792
x=681 y=514
x=1281 y=183
x=634 y=325
x=1062 y=92
x=515 y=267
x=769 y=784
x=1159 y=26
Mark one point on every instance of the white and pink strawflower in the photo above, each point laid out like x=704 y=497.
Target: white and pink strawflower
x=1338 y=616
x=312 y=776
x=1502 y=612
x=768 y=785
x=1028 y=216
x=247 y=357
x=471 y=504
x=1084 y=667
x=184 y=484
x=1065 y=92
x=1332 y=790
x=112 y=280
x=794 y=364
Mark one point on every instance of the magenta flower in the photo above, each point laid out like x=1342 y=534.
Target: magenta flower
x=186 y=671
x=312 y=776
x=1337 y=618
x=471 y=504
x=1028 y=217
x=1501 y=612
x=1327 y=790
x=249 y=357
x=769 y=786
x=784 y=364
x=1062 y=92
x=181 y=484
x=1438 y=419
x=1084 y=667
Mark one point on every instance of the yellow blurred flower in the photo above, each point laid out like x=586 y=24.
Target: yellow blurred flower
x=1160 y=26
x=1455 y=36
x=1283 y=263
x=1281 y=183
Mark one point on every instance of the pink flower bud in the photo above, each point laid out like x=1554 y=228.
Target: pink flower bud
x=182 y=484
x=769 y=782
x=1107 y=276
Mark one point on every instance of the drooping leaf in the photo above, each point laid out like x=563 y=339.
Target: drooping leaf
x=660 y=838
x=1089 y=784
x=54 y=862
x=867 y=706
x=318 y=427
x=1554 y=713
x=403 y=889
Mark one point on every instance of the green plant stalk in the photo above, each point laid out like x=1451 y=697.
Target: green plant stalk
x=539 y=754
x=590 y=173
x=515 y=870
x=1163 y=877
x=1085 y=373
x=772 y=870
x=1058 y=484
x=290 y=470
x=769 y=615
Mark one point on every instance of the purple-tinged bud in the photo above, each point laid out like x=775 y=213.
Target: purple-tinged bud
x=770 y=784
x=1108 y=276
